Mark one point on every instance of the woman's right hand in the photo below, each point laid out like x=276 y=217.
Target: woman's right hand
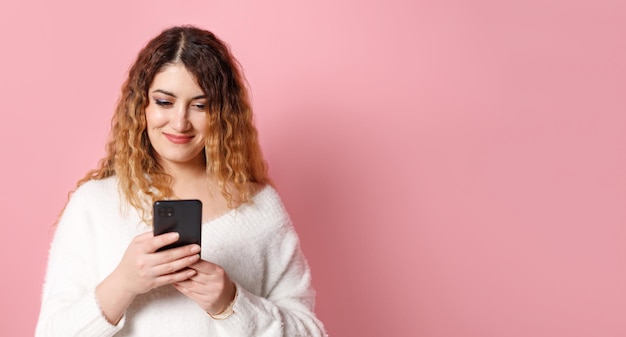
x=142 y=269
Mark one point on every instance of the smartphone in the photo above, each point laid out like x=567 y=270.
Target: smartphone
x=182 y=216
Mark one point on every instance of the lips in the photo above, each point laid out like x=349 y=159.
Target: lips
x=178 y=139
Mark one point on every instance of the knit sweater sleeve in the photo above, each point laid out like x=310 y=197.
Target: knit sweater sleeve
x=286 y=308
x=69 y=306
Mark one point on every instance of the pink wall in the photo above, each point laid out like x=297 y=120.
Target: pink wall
x=454 y=168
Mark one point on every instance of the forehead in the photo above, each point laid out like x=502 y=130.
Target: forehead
x=176 y=78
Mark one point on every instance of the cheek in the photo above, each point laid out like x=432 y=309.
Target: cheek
x=155 y=118
x=200 y=124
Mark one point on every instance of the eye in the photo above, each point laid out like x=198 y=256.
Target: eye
x=162 y=102
x=199 y=106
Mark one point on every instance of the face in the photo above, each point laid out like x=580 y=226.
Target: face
x=176 y=117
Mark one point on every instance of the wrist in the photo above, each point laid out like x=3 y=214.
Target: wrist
x=228 y=309
x=125 y=291
x=112 y=299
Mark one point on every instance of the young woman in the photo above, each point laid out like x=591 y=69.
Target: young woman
x=182 y=129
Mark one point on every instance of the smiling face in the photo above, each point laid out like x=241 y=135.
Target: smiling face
x=176 y=117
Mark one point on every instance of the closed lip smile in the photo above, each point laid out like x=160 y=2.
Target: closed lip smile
x=177 y=139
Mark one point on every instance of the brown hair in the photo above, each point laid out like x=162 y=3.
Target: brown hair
x=232 y=151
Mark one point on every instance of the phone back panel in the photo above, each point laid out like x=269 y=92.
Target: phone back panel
x=182 y=216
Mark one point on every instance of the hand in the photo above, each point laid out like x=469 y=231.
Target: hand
x=143 y=269
x=210 y=287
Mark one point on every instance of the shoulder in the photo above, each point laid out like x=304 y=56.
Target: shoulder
x=86 y=206
x=98 y=186
x=264 y=212
x=96 y=192
x=268 y=201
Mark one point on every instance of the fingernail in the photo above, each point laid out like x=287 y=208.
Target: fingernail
x=195 y=249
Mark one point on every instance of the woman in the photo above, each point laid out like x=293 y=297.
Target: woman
x=182 y=129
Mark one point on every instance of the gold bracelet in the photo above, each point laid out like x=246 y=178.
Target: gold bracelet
x=224 y=314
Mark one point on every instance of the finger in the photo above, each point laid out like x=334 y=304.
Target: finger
x=175 y=266
x=175 y=277
x=163 y=240
x=190 y=287
x=143 y=237
x=186 y=284
x=206 y=267
x=181 y=286
x=199 y=280
x=173 y=254
x=209 y=274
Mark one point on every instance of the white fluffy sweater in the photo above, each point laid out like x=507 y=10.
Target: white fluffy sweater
x=255 y=243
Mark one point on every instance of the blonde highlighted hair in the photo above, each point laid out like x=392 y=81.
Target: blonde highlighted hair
x=232 y=151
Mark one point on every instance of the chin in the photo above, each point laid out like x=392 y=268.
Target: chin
x=178 y=159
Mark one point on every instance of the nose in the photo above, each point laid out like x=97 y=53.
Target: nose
x=180 y=119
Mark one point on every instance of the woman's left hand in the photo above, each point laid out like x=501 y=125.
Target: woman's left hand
x=210 y=287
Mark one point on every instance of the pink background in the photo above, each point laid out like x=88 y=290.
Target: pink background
x=454 y=168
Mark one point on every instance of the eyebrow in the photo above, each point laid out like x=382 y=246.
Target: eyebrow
x=171 y=94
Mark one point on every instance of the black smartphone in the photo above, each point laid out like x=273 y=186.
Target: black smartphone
x=182 y=216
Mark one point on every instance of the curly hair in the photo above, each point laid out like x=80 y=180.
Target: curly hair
x=232 y=152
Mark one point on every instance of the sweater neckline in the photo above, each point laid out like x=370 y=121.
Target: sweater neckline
x=226 y=214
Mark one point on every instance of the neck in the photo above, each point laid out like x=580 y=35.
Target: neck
x=190 y=180
x=189 y=168
x=187 y=171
